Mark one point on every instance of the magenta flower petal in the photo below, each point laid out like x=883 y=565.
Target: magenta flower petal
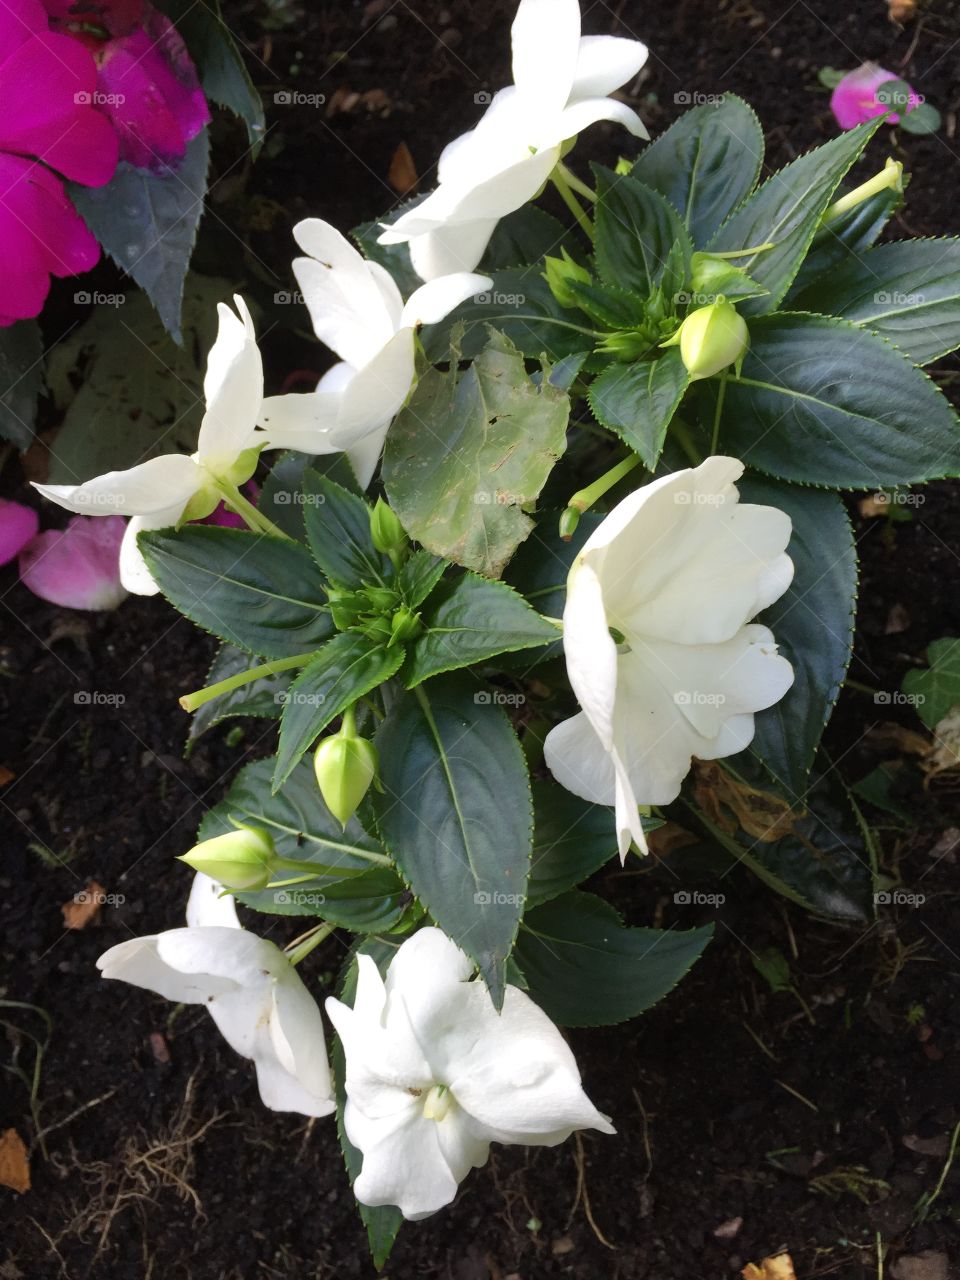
x=19 y=20
x=48 y=112
x=229 y=519
x=77 y=567
x=41 y=234
x=18 y=524
x=854 y=100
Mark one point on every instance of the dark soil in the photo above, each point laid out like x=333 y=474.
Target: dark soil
x=731 y=1102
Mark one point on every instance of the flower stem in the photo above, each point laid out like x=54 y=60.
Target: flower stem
x=584 y=499
x=743 y=253
x=684 y=438
x=559 y=180
x=306 y=944
x=573 y=181
x=891 y=175
x=721 y=392
x=256 y=520
x=192 y=701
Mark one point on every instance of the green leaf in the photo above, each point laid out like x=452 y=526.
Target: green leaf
x=706 y=163
x=21 y=377
x=585 y=969
x=520 y=305
x=572 y=839
x=456 y=817
x=636 y=229
x=383 y=1222
x=345 y=669
x=147 y=223
x=908 y=291
x=609 y=305
x=812 y=624
x=301 y=825
x=418 y=576
x=786 y=211
x=639 y=400
x=936 y=690
x=282 y=495
x=845 y=238
x=223 y=72
x=522 y=237
x=468 y=450
x=262 y=698
x=261 y=594
x=371 y=902
x=922 y=119
x=825 y=402
x=127 y=391
x=338 y=533
x=474 y=619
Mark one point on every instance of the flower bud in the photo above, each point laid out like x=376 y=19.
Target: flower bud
x=559 y=272
x=404 y=625
x=711 y=338
x=346 y=608
x=241 y=859
x=345 y=767
x=386 y=530
x=624 y=344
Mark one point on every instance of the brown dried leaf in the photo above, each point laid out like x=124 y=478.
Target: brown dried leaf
x=777 y=1267
x=14 y=1163
x=666 y=840
x=895 y=737
x=84 y=907
x=402 y=174
x=901 y=11
x=945 y=753
x=6 y=775
x=761 y=814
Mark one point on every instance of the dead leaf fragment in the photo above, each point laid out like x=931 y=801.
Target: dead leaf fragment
x=728 y=1230
x=14 y=1163
x=6 y=775
x=901 y=11
x=761 y=814
x=159 y=1047
x=402 y=174
x=777 y=1267
x=83 y=909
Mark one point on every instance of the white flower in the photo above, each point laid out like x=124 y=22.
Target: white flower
x=357 y=310
x=249 y=987
x=678 y=569
x=159 y=492
x=434 y=1075
x=562 y=82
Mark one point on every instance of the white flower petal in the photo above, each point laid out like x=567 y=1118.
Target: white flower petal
x=364 y=456
x=345 y=299
x=574 y=119
x=579 y=761
x=437 y=298
x=141 y=963
x=589 y=648
x=134 y=574
x=604 y=64
x=233 y=389
x=546 y=44
x=446 y=250
x=403 y=1162
x=208 y=905
x=153 y=486
x=376 y=392
x=297 y=1041
x=301 y=420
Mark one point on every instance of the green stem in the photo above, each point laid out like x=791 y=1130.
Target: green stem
x=890 y=176
x=298 y=953
x=573 y=181
x=743 y=253
x=192 y=701
x=256 y=520
x=559 y=180
x=722 y=391
x=683 y=437
x=314 y=869
x=584 y=499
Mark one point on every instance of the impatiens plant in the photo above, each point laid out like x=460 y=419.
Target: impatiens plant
x=602 y=578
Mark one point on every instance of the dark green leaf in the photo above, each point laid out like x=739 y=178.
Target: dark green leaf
x=639 y=400
x=418 y=576
x=845 y=237
x=706 y=163
x=345 y=669
x=21 y=377
x=636 y=229
x=571 y=840
x=468 y=450
x=369 y=902
x=786 y=211
x=812 y=624
x=147 y=223
x=825 y=402
x=922 y=119
x=261 y=594
x=908 y=291
x=281 y=497
x=609 y=305
x=338 y=533
x=585 y=969
x=936 y=690
x=456 y=817
x=523 y=237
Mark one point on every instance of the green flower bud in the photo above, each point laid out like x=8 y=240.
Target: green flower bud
x=405 y=624
x=382 y=599
x=346 y=608
x=624 y=167
x=386 y=530
x=711 y=338
x=345 y=767
x=559 y=271
x=241 y=859
x=624 y=344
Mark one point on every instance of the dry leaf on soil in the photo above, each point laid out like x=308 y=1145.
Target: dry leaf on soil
x=84 y=907
x=777 y=1267
x=14 y=1164
x=402 y=174
x=762 y=815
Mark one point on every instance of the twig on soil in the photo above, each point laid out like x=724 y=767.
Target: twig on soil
x=94 y=1102
x=584 y=1195
x=799 y=1096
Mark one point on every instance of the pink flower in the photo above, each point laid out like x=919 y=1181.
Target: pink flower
x=854 y=100
x=77 y=567
x=147 y=84
x=229 y=519
x=48 y=82
x=18 y=524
